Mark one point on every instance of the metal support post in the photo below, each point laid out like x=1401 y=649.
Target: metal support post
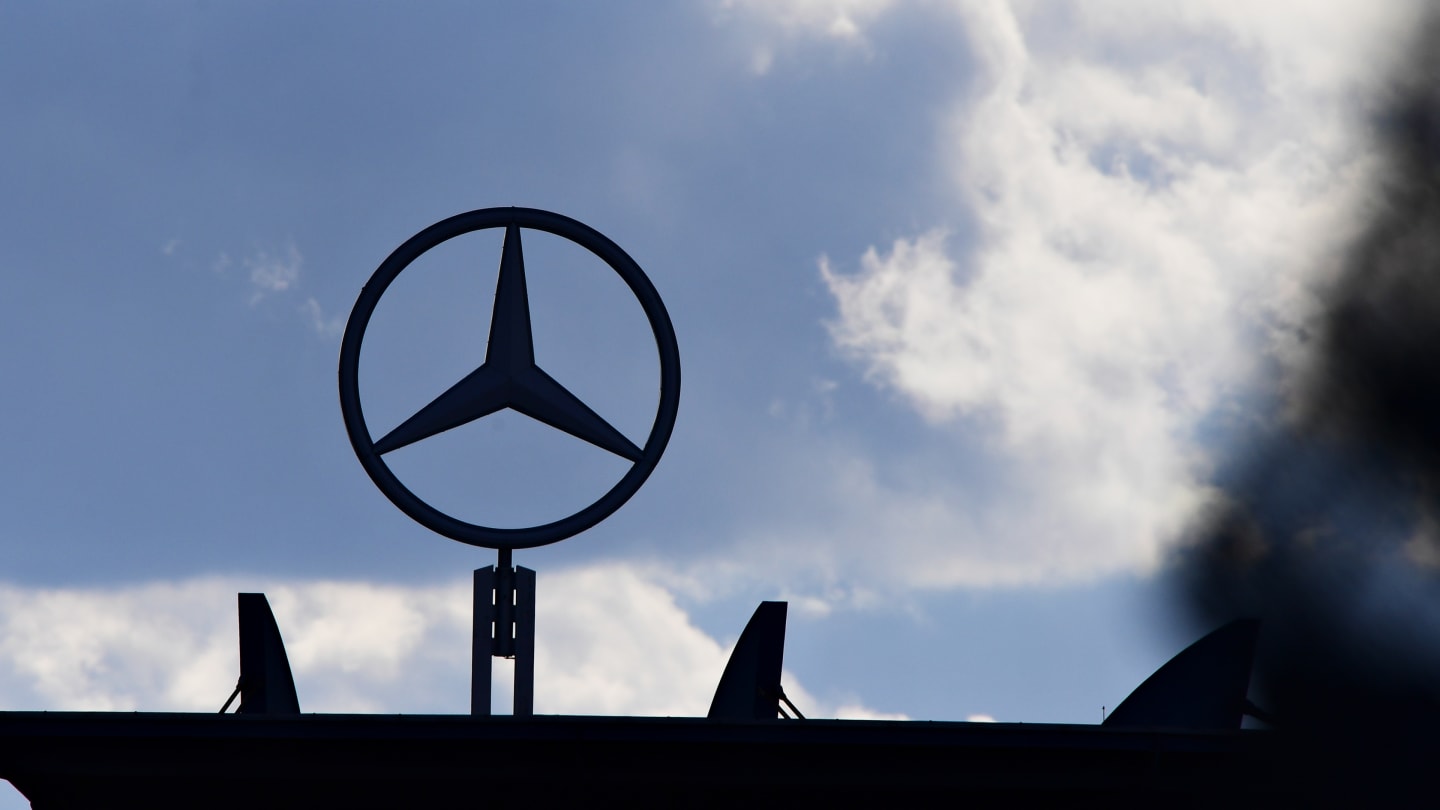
x=524 y=642
x=481 y=643
x=504 y=627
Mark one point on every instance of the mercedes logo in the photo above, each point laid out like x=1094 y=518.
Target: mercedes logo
x=510 y=376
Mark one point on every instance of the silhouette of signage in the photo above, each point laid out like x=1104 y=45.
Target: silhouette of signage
x=510 y=376
x=1176 y=740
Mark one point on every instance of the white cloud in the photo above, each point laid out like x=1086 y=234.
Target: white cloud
x=842 y=21
x=609 y=641
x=854 y=711
x=1156 y=193
x=273 y=273
x=328 y=326
x=167 y=646
x=278 y=274
x=839 y=19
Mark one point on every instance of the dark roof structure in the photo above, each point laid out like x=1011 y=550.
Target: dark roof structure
x=161 y=760
x=1149 y=753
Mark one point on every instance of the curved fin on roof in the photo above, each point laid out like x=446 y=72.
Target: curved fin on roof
x=266 y=685
x=750 y=687
x=1202 y=688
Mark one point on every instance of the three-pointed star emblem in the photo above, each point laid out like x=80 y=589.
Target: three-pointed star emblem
x=509 y=377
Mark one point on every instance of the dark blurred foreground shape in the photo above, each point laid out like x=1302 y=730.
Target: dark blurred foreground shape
x=1328 y=529
x=1175 y=742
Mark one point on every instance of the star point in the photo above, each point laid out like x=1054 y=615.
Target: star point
x=510 y=378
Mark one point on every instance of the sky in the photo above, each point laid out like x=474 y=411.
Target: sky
x=973 y=299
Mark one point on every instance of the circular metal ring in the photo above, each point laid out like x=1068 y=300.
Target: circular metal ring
x=566 y=228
